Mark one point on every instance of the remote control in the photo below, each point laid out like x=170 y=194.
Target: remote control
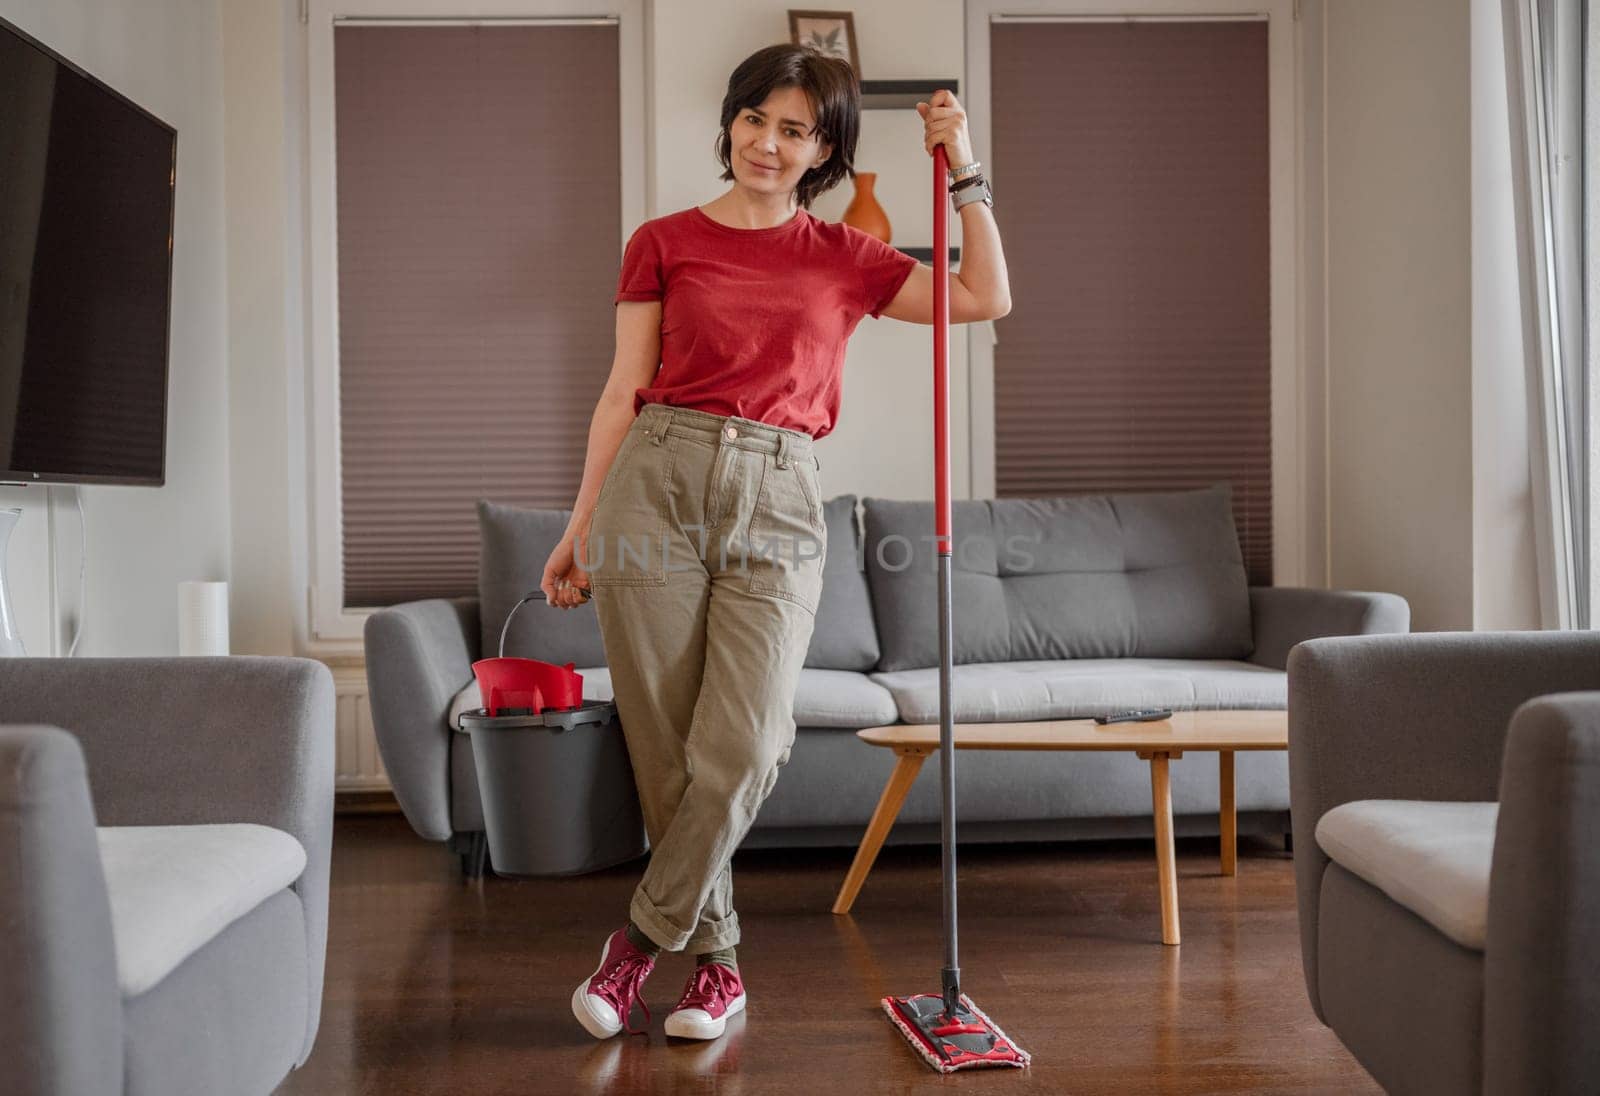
x=1140 y=715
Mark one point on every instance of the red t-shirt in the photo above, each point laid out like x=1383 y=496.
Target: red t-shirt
x=754 y=321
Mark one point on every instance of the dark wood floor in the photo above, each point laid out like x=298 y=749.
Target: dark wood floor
x=438 y=986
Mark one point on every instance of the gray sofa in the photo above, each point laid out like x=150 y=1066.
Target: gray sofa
x=1063 y=607
x=165 y=829
x=1446 y=792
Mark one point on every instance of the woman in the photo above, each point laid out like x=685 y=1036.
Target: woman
x=698 y=528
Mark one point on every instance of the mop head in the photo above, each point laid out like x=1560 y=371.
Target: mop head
x=968 y=1041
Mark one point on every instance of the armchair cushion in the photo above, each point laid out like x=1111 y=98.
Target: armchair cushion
x=1431 y=857
x=174 y=888
x=1155 y=575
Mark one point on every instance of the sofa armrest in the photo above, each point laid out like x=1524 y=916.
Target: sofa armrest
x=60 y=1008
x=1281 y=616
x=419 y=655
x=179 y=741
x=1419 y=716
x=1541 y=999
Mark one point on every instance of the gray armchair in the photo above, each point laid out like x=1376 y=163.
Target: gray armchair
x=1445 y=792
x=177 y=948
x=419 y=655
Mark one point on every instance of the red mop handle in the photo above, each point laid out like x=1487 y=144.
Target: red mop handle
x=941 y=350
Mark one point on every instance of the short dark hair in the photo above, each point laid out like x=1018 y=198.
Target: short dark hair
x=828 y=82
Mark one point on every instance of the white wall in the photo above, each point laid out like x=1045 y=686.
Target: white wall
x=1399 y=300
x=267 y=464
x=1505 y=565
x=166 y=56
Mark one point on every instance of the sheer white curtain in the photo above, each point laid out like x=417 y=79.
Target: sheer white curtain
x=1545 y=44
x=1591 y=239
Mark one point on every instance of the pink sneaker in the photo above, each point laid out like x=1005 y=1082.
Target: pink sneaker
x=604 y=1003
x=713 y=994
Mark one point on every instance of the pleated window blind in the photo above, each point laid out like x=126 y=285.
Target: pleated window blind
x=1132 y=193
x=479 y=237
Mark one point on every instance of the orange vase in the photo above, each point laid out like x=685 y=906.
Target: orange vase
x=864 y=212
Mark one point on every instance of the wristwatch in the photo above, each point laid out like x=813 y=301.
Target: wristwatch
x=974 y=192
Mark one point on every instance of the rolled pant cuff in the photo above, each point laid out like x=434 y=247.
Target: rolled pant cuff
x=714 y=937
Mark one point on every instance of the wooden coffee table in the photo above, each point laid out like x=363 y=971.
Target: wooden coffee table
x=1226 y=732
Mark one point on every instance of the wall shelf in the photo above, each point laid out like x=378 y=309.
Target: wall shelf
x=904 y=95
x=925 y=254
x=901 y=94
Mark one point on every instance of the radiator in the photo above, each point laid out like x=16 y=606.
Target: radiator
x=358 y=768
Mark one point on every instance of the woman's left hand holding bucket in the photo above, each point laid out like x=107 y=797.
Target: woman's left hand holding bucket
x=564 y=582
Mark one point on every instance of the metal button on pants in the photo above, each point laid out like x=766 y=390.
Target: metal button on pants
x=705 y=556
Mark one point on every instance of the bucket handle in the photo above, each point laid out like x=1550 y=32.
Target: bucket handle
x=506 y=627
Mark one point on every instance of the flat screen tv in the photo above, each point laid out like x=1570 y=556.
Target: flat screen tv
x=86 y=210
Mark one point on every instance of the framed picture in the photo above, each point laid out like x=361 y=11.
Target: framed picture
x=832 y=33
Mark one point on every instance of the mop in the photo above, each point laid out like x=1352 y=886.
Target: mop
x=947 y=1029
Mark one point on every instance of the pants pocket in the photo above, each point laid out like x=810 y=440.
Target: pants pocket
x=628 y=536
x=788 y=541
x=619 y=463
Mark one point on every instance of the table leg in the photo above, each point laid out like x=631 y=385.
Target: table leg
x=894 y=795
x=1230 y=817
x=1166 y=863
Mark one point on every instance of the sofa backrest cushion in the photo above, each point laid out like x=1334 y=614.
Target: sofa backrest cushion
x=515 y=542
x=1155 y=575
x=844 y=637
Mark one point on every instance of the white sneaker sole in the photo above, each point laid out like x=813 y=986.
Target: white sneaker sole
x=598 y=1018
x=693 y=1023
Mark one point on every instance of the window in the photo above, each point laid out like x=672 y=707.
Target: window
x=480 y=184
x=1147 y=193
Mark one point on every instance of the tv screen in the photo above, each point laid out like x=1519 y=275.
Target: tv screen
x=86 y=204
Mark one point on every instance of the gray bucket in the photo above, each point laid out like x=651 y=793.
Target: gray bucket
x=557 y=790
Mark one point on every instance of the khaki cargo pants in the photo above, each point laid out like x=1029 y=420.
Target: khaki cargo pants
x=705 y=556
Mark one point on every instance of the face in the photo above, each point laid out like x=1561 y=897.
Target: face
x=773 y=145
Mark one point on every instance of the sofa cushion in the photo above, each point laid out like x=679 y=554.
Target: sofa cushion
x=1431 y=857
x=1134 y=575
x=514 y=544
x=842 y=699
x=844 y=636
x=174 y=888
x=994 y=692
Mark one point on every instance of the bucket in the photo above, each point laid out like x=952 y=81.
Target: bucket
x=558 y=790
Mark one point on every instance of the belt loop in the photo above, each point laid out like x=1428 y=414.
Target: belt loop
x=783 y=450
